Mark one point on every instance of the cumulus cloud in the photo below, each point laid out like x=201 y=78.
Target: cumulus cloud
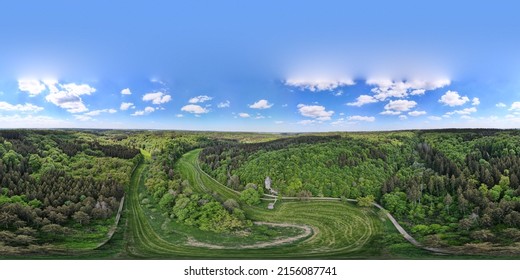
x=452 y=98
x=224 y=104
x=278 y=122
x=126 y=91
x=33 y=87
x=390 y=112
x=315 y=111
x=400 y=105
x=146 y=111
x=244 y=115
x=68 y=96
x=403 y=117
x=126 y=105
x=179 y=115
x=362 y=100
x=318 y=84
x=361 y=118
x=434 y=118
x=515 y=106
x=26 y=108
x=200 y=99
x=501 y=105
x=475 y=101
x=194 y=109
x=261 y=104
x=417 y=113
x=157 y=97
x=387 y=88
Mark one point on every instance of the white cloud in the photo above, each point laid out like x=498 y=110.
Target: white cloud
x=261 y=104
x=224 y=104
x=244 y=115
x=387 y=88
x=26 y=108
x=465 y=111
x=157 y=97
x=434 y=118
x=33 y=87
x=138 y=113
x=475 y=101
x=179 y=115
x=452 y=98
x=361 y=118
x=501 y=105
x=315 y=111
x=68 y=96
x=403 y=117
x=390 y=112
x=285 y=105
x=126 y=105
x=194 y=109
x=466 y=117
x=98 y=112
x=362 y=100
x=126 y=91
x=400 y=105
x=515 y=106
x=278 y=122
x=416 y=113
x=200 y=99
x=146 y=111
x=318 y=84
x=338 y=93
x=260 y=117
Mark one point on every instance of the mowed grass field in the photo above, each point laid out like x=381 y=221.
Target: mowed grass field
x=339 y=229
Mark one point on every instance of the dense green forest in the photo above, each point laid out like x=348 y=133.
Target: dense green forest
x=55 y=184
x=61 y=189
x=450 y=187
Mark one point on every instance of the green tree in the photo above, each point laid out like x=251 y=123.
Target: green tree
x=250 y=196
x=366 y=201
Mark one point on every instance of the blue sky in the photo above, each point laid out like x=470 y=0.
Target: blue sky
x=259 y=65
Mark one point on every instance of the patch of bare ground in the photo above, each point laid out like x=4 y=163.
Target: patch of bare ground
x=307 y=231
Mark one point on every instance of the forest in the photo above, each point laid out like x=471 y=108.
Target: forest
x=54 y=184
x=448 y=187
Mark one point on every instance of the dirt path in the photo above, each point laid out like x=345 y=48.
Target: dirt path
x=114 y=226
x=307 y=231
